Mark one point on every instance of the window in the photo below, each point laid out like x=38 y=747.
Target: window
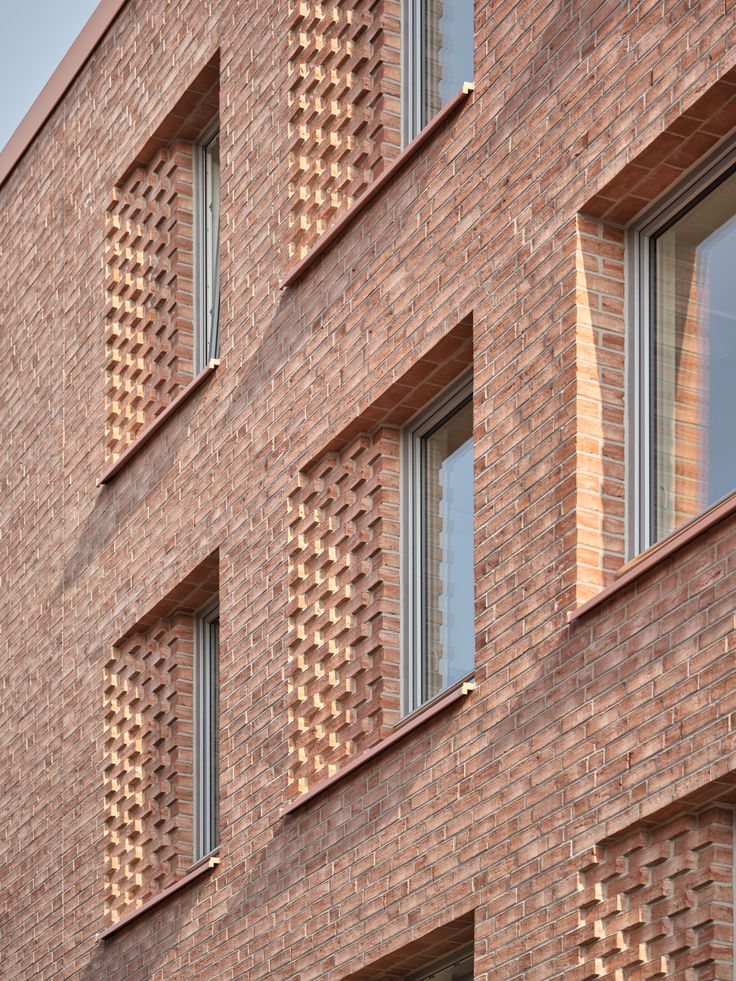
x=437 y=57
x=206 y=782
x=684 y=460
x=458 y=967
x=207 y=237
x=437 y=568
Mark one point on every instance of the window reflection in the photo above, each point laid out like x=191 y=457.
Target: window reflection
x=447 y=542
x=211 y=247
x=447 y=27
x=694 y=360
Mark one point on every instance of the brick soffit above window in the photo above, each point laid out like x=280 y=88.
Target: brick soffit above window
x=651 y=174
x=682 y=144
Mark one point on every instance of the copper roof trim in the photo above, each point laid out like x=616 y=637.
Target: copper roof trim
x=58 y=85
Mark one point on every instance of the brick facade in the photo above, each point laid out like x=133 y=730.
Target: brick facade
x=658 y=902
x=344 y=107
x=149 y=257
x=343 y=691
x=588 y=752
x=148 y=762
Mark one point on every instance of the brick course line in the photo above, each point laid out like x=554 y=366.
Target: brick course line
x=419 y=718
x=157 y=423
x=374 y=189
x=658 y=554
x=205 y=865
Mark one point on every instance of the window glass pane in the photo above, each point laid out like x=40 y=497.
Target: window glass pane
x=206 y=730
x=447 y=27
x=694 y=360
x=447 y=545
x=461 y=971
x=214 y=836
x=211 y=238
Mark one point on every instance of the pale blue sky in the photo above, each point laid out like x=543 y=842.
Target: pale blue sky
x=34 y=37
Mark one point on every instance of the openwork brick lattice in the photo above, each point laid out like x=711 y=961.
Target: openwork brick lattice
x=148 y=762
x=658 y=902
x=343 y=107
x=148 y=333
x=343 y=685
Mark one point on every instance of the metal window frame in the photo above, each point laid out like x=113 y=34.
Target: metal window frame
x=206 y=699
x=207 y=329
x=660 y=215
x=413 y=435
x=412 y=69
x=451 y=960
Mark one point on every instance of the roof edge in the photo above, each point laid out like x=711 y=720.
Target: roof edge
x=58 y=85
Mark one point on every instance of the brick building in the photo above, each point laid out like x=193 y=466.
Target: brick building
x=322 y=322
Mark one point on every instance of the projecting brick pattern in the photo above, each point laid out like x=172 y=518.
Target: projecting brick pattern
x=600 y=381
x=343 y=107
x=148 y=314
x=343 y=686
x=658 y=903
x=148 y=762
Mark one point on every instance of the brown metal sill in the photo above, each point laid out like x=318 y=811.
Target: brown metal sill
x=408 y=724
x=155 y=424
x=407 y=154
x=658 y=553
x=203 y=866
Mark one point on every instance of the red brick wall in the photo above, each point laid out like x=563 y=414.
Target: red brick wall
x=148 y=722
x=149 y=310
x=343 y=689
x=658 y=901
x=574 y=734
x=599 y=529
x=344 y=112
x=149 y=257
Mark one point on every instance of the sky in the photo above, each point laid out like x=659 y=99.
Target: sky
x=34 y=37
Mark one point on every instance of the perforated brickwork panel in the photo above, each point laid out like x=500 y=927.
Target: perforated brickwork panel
x=343 y=685
x=658 y=903
x=343 y=107
x=148 y=762
x=148 y=313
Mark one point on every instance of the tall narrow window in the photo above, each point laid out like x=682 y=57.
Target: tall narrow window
x=687 y=357
x=207 y=285
x=438 y=574
x=437 y=57
x=206 y=782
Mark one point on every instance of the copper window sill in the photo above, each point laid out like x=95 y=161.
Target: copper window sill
x=418 y=718
x=374 y=189
x=658 y=552
x=155 y=424
x=202 y=867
